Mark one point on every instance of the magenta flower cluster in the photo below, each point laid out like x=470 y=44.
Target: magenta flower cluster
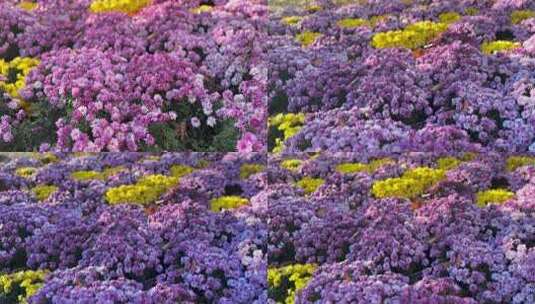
x=115 y=77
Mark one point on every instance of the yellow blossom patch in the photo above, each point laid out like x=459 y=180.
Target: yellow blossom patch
x=14 y=73
x=498 y=46
x=123 y=6
x=493 y=196
x=227 y=202
x=307 y=38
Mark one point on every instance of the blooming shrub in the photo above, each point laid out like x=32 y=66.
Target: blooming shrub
x=495 y=196
x=42 y=192
x=19 y=286
x=307 y=38
x=521 y=15
x=351 y=168
x=411 y=184
x=78 y=247
x=286 y=281
x=227 y=202
x=413 y=36
x=498 y=46
x=133 y=76
x=143 y=192
x=463 y=231
x=246 y=170
x=309 y=185
x=124 y=6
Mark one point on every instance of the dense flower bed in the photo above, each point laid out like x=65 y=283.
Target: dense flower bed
x=402 y=75
x=133 y=228
x=92 y=75
x=410 y=228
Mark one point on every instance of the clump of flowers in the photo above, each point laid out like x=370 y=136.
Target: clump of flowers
x=309 y=184
x=227 y=202
x=291 y=164
x=13 y=74
x=28 y=5
x=145 y=191
x=204 y=8
x=449 y=17
x=498 y=46
x=411 y=184
x=18 y=287
x=448 y=163
x=352 y=22
x=351 y=168
x=288 y=125
x=412 y=37
x=515 y=162
x=246 y=170
x=26 y=171
x=42 y=192
x=291 y=20
x=307 y=38
x=87 y=175
x=493 y=196
x=285 y=282
x=180 y=170
x=124 y=6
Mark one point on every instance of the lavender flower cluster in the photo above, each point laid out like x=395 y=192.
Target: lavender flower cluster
x=174 y=249
x=361 y=233
x=390 y=75
x=133 y=76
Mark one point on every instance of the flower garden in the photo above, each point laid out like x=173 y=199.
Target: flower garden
x=267 y=151
x=133 y=228
x=409 y=228
x=402 y=75
x=132 y=75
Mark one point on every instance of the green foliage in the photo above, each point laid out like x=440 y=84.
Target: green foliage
x=19 y=286
x=291 y=164
x=307 y=38
x=147 y=190
x=412 y=37
x=180 y=170
x=521 y=15
x=351 y=168
x=309 y=185
x=180 y=135
x=287 y=125
x=37 y=128
x=498 y=46
x=285 y=282
x=496 y=196
x=411 y=184
x=515 y=162
x=246 y=170
x=42 y=192
x=227 y=202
